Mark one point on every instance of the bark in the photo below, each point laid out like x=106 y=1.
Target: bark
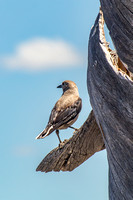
x=110 y=88
x=70 y=154
x=118 y=15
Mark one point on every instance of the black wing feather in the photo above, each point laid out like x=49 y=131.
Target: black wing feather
x=62 y=117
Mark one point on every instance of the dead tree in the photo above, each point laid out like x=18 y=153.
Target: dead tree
x=110 y=87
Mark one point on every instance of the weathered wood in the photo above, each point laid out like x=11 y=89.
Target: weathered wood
x=111 y=95
x=82 y=145
x=118 y=15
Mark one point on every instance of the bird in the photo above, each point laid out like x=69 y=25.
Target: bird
x=65 y=111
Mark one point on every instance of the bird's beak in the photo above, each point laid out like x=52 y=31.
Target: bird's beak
x=60 y=86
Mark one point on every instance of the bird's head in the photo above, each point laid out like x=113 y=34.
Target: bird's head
x=68 y=85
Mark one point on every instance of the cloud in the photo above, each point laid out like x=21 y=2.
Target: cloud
x=42 y=54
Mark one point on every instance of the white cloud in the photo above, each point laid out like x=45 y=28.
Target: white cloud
x=41 y=54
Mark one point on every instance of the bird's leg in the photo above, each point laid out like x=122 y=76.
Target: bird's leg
x=57 y=133
x=76 y=129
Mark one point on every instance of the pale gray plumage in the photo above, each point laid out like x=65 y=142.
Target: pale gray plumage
x=65 y=111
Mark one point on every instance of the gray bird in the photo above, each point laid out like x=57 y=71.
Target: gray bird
x=65 y=111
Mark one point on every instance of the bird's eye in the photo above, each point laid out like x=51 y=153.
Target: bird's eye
x=63 y=83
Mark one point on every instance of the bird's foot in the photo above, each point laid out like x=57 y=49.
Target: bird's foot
x=75 y=132
x=76 y=129
x=61 y=144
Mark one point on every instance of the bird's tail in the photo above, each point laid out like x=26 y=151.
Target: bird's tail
x=45 y=132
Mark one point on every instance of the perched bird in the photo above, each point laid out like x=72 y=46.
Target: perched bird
x=65 y=111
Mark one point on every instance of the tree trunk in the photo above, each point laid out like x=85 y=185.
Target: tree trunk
x=110 y=88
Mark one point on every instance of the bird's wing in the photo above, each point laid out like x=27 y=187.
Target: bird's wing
x=64 y=116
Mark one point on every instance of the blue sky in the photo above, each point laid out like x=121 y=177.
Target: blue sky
x=28 y=79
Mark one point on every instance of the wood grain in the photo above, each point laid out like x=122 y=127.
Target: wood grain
x=111 y=95
x=118 y=15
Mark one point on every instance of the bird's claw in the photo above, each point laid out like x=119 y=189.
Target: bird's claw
x=75 y=131
x=61 y=144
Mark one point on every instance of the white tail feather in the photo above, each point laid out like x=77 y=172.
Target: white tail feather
x=43 y=134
